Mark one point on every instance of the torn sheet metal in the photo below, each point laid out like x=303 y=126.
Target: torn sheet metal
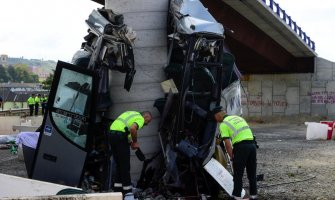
x=192 y=17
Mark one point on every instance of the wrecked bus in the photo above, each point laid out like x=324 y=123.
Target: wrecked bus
x=73 y=146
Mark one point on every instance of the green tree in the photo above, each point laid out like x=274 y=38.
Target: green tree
x=34 y=78
x=12 y=74
x=48 y=81
x=3 y=74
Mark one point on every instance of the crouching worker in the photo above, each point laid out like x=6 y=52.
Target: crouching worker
x=123 y=132
x=241 y=148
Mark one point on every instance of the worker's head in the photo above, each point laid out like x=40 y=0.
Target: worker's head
x=218 y=114
x=147 y=117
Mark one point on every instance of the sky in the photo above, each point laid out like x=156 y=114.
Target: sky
x=317 y=20
x=54 y=29
x=43 y=29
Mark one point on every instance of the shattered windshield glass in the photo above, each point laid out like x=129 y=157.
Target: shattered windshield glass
x=72 y=105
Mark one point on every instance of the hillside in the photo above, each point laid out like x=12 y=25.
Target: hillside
x=48 y=65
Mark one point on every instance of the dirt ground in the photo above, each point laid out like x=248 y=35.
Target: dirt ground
x=293 y=167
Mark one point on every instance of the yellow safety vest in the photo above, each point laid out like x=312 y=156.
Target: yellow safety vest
x=31 y=101
x=37 y=99
x=126 y=119
x=235 y=128
x=44 y=99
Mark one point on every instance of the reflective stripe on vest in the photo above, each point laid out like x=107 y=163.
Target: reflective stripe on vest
x=236 y=131
x=125 y=121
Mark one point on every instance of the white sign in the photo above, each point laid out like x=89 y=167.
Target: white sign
x=222 y=176
x=231 y=99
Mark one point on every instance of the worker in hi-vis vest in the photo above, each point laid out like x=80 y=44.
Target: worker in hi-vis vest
x=44 y=100
x=241 y=147
x=37 y=103
x=31 y=104
x=123 y=132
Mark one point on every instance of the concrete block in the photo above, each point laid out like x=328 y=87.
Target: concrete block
x=281 y=77
x=146 y=20
x=292 y=83
x=266 y=84
x=318 y=84
x=244 y=84
x=150 y=38
x=330 y=109
x=330 y=86
x=138 y=93
x=150 y=56
x=149 y=144
x=319 y=110
x=20 y=128
x=292 y=109
x=144 y=74
x=255 y=114
x=13 y=187
x=120 y=107
x=324 y=69
x=7 y=123
x=277 y=114
x=255 y=104
x=279 y=88
x=279 y=104
x=292 y=95
x=126 y=6
x=245 y=110
x=255 y=88
x=305 y=88
x=267 y=101
x=295 y=77
x=305 y=104
x=330 y=89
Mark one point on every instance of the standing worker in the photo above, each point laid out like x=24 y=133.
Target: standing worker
x=37 y=103
x=31 y=104
x=123 y=132
x=44 y=100
x=241 y=147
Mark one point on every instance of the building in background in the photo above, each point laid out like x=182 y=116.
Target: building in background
x=15 y=95
x=41 y=72
x=3 y=59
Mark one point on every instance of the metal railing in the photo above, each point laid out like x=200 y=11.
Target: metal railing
x=281 y=13
x=15 y=112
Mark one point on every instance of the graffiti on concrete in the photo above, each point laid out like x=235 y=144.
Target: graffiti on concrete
x=257 y=101
x=323 y=97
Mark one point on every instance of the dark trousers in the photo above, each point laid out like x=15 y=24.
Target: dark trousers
x=31 y=109
x=36 y=108
x=244 y=157
x=44 y=107
x=121 y=153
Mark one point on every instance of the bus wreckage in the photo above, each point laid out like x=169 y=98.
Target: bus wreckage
x=201 y=75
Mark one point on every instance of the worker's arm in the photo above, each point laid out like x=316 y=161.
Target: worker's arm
x=229 y=148
x=133 y=133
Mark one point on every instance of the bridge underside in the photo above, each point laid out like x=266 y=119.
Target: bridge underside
x=255 y=51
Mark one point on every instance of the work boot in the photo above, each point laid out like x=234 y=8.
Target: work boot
x=129 y=196
x=253 y=197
